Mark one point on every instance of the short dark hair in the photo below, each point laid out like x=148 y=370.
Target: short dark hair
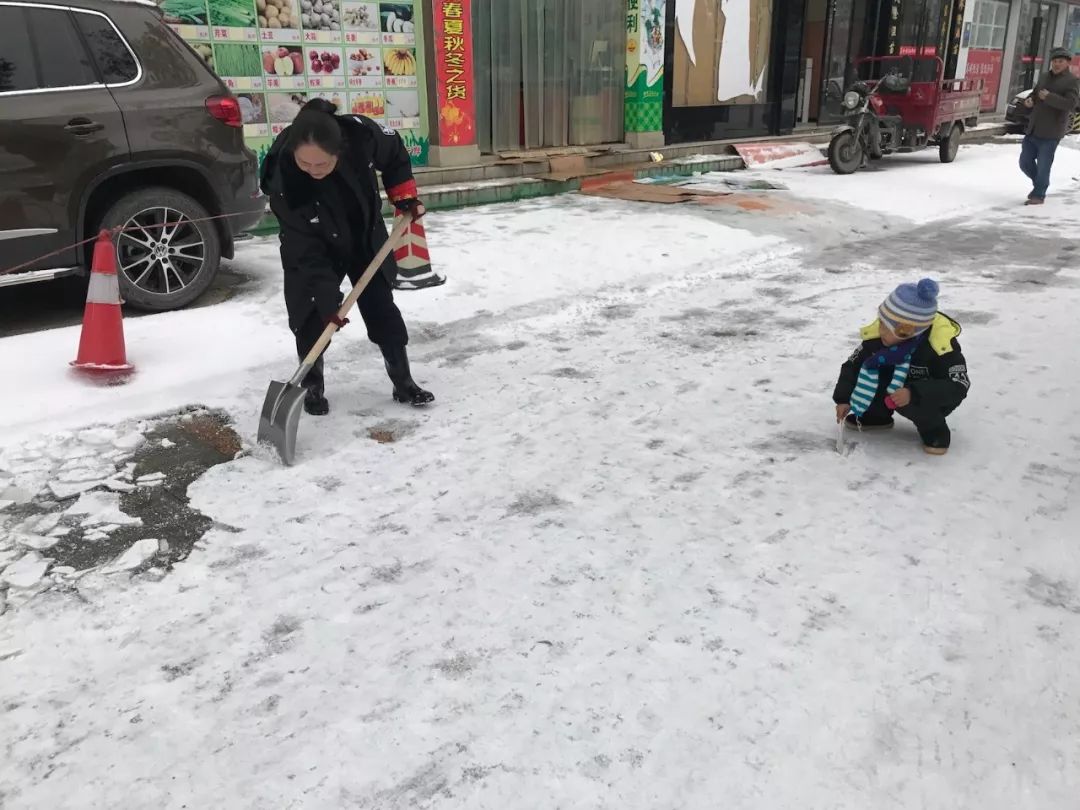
x=316 y=124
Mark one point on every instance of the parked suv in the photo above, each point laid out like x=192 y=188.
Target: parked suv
x=107 y=118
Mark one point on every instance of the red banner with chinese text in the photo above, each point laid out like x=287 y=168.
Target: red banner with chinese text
x=454 y=87
x=985 y=64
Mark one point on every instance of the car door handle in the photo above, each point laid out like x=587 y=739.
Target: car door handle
x=83 y=126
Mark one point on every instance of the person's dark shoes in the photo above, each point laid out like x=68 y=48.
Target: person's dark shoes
x=852 y=422
x=936 y=442
x=1035 y=201
x=405 y=388
x=413 y=394
x=316 y=404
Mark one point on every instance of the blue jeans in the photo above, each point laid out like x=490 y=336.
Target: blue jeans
x=1036 y=158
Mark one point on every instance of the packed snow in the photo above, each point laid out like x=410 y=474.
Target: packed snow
x=620 y=564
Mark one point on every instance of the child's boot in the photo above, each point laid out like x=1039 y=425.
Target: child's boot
x=936 y=441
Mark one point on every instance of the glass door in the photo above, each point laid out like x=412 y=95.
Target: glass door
x=550 y=73
x=844 y=42
x=1038 y=22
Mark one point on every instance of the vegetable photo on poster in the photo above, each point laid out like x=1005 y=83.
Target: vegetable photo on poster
x=184 y=12
x=721 y=52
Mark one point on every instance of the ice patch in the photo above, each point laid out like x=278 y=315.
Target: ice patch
x=26 y=572
x=101 y=509
x=142 y=552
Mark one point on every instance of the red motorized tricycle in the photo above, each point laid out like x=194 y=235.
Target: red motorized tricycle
x=905 y=105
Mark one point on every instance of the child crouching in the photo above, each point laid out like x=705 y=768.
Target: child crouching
x=908 y=362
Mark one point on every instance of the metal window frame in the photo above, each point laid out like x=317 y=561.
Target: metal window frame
x=72 y=88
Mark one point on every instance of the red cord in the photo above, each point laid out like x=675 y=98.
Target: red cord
x=113 y=232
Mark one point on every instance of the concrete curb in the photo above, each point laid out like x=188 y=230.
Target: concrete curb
x=691 y=159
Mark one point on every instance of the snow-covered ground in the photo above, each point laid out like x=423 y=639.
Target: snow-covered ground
x=621 y=564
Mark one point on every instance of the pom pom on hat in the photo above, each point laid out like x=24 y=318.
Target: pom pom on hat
x=928 y=290
x=911 y=308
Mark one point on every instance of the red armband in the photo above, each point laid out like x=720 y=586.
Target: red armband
x=402 y=191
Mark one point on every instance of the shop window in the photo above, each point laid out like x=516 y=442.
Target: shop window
x=1072 y=30
x=721 y=52
x=991 y=24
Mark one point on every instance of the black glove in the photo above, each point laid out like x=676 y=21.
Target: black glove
x=411 y=206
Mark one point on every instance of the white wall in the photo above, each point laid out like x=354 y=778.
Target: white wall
x=969 y=18
x=1004 y=96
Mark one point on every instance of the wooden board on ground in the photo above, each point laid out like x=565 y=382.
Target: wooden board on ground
x=772 y=155
x=541 y=154
x=647 y=192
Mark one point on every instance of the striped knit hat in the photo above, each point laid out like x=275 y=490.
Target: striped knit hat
x=911 y=308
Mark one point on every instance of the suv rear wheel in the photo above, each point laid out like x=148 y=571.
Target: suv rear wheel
x=165 y=257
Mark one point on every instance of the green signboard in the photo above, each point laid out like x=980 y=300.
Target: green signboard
x=366 y=57
x=644 y=107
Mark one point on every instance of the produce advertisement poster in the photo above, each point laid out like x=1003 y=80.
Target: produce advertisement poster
x=454 y=72
x=366 y=57
x=644 y=107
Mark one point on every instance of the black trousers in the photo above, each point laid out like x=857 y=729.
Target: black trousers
x=929 y=419
x=385 y=326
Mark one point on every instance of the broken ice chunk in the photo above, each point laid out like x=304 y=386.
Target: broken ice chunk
x=129 y=441
x=140 y=553
x=36 y=541
x=28 y=570
x=101 y=508
x=16 y=494
x=63 y=491
x=98 y=436
x=40 y=524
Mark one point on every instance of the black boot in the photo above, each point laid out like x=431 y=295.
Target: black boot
x=935 y=440
x=397 y=367
x=315 y=403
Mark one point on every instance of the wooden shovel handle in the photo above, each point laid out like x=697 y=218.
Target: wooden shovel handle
x=350 y=300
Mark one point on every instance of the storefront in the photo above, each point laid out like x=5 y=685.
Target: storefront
x=1037 y=34
x=756 y=67
x=986 y=52
x=731 y=68
x=549 y=73
x=366 y=57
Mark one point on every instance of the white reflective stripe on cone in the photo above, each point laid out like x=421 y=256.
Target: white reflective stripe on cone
x=104 y=289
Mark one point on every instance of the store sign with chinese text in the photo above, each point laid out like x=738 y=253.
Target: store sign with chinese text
x=985 y=64
x=454 y=72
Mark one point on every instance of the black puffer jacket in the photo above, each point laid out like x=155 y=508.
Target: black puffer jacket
x=319 y=243
x=939 y=374
x=1050 y=117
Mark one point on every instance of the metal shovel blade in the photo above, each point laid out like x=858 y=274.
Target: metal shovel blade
x=281 y=417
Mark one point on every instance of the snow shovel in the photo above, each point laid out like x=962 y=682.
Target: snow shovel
x=284 y=400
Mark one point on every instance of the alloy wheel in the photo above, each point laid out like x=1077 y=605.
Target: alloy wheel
x=160 y=250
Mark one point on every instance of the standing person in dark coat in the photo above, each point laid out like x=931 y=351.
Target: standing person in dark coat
x=908 y=362
x=1052 y=101
x=320 y=176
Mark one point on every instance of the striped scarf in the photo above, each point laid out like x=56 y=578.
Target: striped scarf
x=866 y=386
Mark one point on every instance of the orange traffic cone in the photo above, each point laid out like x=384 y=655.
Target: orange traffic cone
x=414 y=261
x=101 y=347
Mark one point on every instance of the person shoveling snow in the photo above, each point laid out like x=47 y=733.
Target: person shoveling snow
x=320 y=176
x=909 y=362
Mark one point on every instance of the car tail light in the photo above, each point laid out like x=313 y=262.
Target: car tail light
x=225 y=109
